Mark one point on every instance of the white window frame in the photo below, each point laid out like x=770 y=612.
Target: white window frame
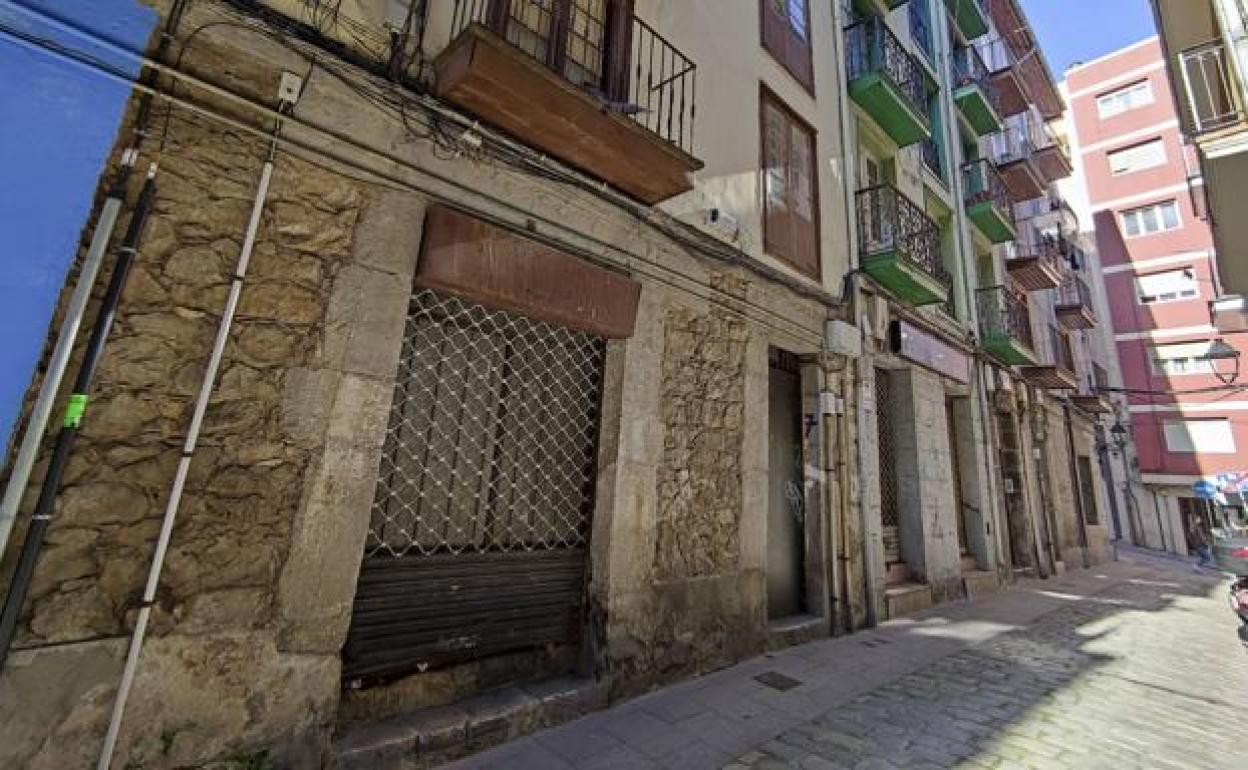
x=1185 y=288
x=1138 y=157
x=1214 y=436
x=1125 y=99
x=1156 y=209
x=1182 y=358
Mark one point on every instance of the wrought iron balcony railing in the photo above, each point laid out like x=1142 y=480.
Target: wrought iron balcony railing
x=873 y=48
x=889 y=223
x=1013 y=144
x=1074 y=291
x=1209 y=84
x=1004 y=315
x=982 y=184
x=969 y=69
x=626 y=63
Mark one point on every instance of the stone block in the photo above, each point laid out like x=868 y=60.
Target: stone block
x=562 y=700
x=364 y=322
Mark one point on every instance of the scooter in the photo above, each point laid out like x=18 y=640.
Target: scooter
x=1232 y=556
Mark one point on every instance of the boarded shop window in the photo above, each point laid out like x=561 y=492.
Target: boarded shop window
x=790 y=227
x=786 y=36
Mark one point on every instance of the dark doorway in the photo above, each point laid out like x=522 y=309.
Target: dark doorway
x=786 y=510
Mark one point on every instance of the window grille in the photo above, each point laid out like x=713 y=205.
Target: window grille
x=492 y=435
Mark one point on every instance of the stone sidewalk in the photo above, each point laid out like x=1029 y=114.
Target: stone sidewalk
x=1132 y=664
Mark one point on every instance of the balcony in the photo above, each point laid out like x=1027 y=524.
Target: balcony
x=1014 y=154
x=886 y=81
x=900 y=247
x=987 y=202
x=974 y=92
x=971 y=17
x=604 y=93
x=1213 y=102
x=1054 y=368
x=1005 y=325
x=1037 y=266
x=877 y=7
x=1051 y=156
x=1074 y=307
x=1093 y=395
x=1006 y=80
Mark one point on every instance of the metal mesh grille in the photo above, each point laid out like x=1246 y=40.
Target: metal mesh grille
x=888 y=455
x=492 y=434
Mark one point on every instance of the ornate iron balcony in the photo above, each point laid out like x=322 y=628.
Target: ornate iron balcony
x=900 y=246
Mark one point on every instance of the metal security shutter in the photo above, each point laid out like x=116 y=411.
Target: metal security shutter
x=480 y=526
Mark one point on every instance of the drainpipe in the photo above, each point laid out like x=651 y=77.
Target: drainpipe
x=65 y=338
x=184 y=465
x=74 y=413
x=871 y=568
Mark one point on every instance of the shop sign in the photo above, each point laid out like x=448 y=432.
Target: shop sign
x=914 y=344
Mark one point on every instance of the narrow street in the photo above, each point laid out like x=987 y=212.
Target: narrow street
x=1133 y=664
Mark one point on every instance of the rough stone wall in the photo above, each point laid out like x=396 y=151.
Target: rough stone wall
x=1062 y=484
x=699 y=481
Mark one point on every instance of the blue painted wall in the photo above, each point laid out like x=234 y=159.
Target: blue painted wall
x=60 y=121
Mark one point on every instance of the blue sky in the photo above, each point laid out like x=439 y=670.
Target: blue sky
x=1071 y=31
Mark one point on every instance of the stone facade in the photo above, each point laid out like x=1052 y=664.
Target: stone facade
x=699 y=484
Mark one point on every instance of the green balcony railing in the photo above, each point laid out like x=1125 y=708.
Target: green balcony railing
x=900 y=246
x=987 y=201
x=975 y=93
x=886 y=81
x=1005 y=325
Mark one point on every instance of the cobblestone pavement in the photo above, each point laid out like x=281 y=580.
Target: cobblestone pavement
x=1127 y=665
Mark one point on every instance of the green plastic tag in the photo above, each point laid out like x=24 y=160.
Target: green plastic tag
x=75 y=409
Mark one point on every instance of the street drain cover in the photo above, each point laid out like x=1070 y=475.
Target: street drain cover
x=777 y=681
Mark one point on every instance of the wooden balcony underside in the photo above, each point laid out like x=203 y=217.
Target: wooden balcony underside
x=1010 y=96
x=990 y=220
x=1093 y=404
x=978 y=110
x=1078 y=316
x=1033 y=273
x=1008 y=349
x=1022 y=179
x=888 y=105
x=1051 y=377
x=1053 y=163
x=488 y=77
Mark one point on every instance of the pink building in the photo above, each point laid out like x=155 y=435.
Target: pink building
x=1157 y=255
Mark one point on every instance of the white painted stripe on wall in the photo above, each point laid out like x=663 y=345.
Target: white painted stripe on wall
x=1157 y=334
x=1127 y=138
x=1186 y=408
x=1144 y=197
x=1148 y=264
x=1111 y=55
x=1169 y=479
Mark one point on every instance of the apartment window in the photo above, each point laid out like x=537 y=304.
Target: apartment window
x=1181 y=358
x=1168 y=286
x=1205 y=436
x=1124 y=99
x=1155 y=218
x=790 y=227
x=786 y=36
x=1137 y=157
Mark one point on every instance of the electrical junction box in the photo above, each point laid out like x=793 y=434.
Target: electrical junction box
x=289 y=87
x=842 y=339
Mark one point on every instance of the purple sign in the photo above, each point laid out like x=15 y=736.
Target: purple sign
x=911 y=342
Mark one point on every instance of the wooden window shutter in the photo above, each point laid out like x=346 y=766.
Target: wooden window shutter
x=777 y=225
x=781 y=20
x=803 y=200
x=790 y=189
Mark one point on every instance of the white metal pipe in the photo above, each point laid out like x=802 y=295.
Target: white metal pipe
x=184 y=467
x=59 y=362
